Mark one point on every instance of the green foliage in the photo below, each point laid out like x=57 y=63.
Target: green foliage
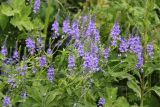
x=118 y=81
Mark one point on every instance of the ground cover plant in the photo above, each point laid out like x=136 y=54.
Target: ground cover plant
x=48 y=60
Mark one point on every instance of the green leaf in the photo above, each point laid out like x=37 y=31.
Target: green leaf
x=8 y=11
x=20 y=22
x=134 y=86
x=111 y=95
x=3 y=21
x=156 y=89
x=121 y=102
x=52 y=95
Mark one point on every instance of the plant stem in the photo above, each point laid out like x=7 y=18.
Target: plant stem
x=142 y=90
x=47 y=19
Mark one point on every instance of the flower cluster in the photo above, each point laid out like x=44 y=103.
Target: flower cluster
x=135 y=44
x=42 y=61
x=30 y=44
x=101 y=102
x=123 y=46
x=50 y=73
x=6 y=101
x=4 y=50
x=71 y=62
x=105 y=53
x=36 y=6
x=115 y=32
x=150 y=49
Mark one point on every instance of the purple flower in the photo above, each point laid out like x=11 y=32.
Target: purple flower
x=94 y=49
x=95 y=64
x=114 y=42
x=30 y=44
x=55 y=26
x=71 y=62
x=10 y=80
x=115 y=30
x=150 y=49
x=39 y=40
x=36 y=6
x=6 y=101
x=75 y=30
x=87 y=60
x=114 y=33
x=66 y=26
x=135 y=44
x=42 y=61
x=49 y=51
x=8 y=61
x=101 y=102
x=80 y=49
x=24 y=68
x=97 y=37
x=140 y=60
x=24 y=94
x=124 y=46
x=4 y=50
x=91 y=27
x=50 y=73
x=105 y=53
x=15 y=54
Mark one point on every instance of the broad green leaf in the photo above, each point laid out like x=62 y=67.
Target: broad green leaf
x=20 y=22
x=8 y=11
x=121 y=102
x=134 y=86
x=3 y=21
x=111 y=95
x=156 y=89
x=51 y=97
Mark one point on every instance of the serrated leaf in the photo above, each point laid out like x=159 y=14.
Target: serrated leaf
x=20 y=22
x=8 y=11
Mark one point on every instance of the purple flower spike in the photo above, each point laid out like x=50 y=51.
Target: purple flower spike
x=30 y=44
x=66 y=26
x=150 y=49
x=75 y=30
x=97 y=36
x=95 y=64
x=124 y=46
x=101 y=102
x=42 y=61
x=87 y=60
x=55 y=26
x=36 y=6
x=140 y=60
x=71 y=62
x=91 y=27
x=4 y=50
x=135 y=44
x=6 y=101
x=15 y=54
x=115 y=30
x=50 y=73
x=105 y=53
x=80 y=49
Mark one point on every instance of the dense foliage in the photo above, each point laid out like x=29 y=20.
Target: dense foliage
x=82 y=53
